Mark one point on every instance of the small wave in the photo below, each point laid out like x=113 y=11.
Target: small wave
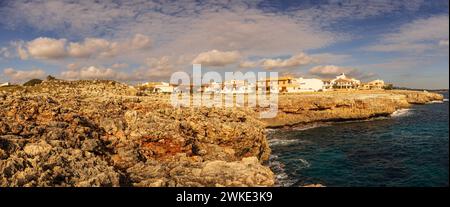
x=268 y=130
x=445 y=100
x=305 y=164
x=401 y=113
x=436 y=102
x=309 y=126
x=282 y=142
x=282 y=179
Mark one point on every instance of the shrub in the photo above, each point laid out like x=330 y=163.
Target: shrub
x=50 y=78
x=33 y=82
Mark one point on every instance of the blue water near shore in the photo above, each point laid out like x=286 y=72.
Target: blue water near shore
x=408 y=149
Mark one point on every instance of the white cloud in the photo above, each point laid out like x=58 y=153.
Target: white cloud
x=140 y=41
x=50 y=48
x=217 y=58
x=417 y=36
x=330 y=71
x=23 y=54
x=46 y=48
x=249 y=64
x=23 y=75
x=295 y=61
x=93 y=72
x=92 y=46
x=154 y=69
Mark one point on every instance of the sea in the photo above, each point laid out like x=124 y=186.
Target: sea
x=408 y=149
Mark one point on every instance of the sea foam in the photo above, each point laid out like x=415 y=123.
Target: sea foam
x=401 y=113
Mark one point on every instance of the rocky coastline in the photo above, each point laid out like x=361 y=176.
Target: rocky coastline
x=335 y=106
x=104 y=133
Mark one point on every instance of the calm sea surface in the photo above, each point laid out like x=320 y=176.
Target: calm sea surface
x=408 y=149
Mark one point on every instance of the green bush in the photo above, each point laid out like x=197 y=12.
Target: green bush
x=33 y=82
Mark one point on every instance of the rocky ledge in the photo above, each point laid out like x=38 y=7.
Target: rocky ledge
x=297 y=109
x=102 y=133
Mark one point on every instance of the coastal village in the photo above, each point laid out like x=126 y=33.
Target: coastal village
x=287 y=84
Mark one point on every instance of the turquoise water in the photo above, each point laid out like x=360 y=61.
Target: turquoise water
x=408 y=149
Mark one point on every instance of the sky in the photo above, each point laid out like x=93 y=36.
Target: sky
x=404 y=42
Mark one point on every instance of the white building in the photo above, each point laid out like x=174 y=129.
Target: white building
x=160 y=87
x=5 y=84
x=344 y=82
x=213 y=87
x=375 y=84
x=164 y=88
x=238 y=86
x=308 y=85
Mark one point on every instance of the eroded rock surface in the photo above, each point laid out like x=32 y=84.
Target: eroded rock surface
x=100 y=133
x=344 y=105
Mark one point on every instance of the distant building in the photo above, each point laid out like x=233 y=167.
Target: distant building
x=213 y=87
x=327 y=85
x=374 y=85
x=160 y=87
x=308 y=85
x=284 y=85
x=344 y=82
x=5 y=84
x=238 y=86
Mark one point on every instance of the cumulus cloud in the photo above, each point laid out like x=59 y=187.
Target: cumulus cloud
x=153 y=69
x=217 y=58
x=140 y=41
x=295 y=61
x=23 y=75
x=93 y=72
x=330 y=71
x=92 y=46
x=46 y=48
x=50 y=48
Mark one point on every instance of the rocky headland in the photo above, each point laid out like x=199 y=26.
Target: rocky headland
x=297 y=109
x=104 y=133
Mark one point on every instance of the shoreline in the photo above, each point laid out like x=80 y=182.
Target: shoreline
x=332 y=107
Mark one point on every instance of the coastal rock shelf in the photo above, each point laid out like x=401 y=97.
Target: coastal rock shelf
x=99 y=133
x=307 y=108
x=103 y=133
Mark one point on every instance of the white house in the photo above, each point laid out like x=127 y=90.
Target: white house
x=343 y=82
x=5 y=84
x=160 y=87
x=309 y=85
x=164 y=87
x=238 y=86
x=375 y=84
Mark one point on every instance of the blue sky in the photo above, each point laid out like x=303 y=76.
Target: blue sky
x=402 y=42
